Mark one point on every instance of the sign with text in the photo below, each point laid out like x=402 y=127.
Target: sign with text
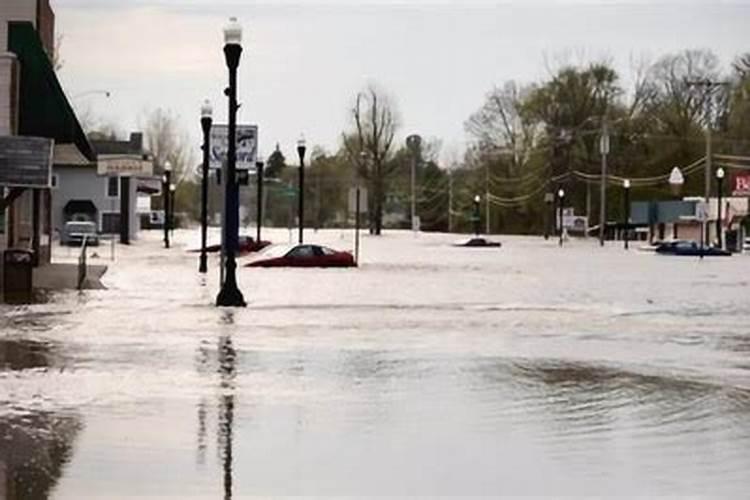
x=247 y=146
x=124 y=166
x=26 y=162
x=741 y=184
x=353 y=200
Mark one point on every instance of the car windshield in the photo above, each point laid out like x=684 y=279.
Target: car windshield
x=275 y=251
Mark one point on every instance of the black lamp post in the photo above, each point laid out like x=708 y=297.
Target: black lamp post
x=301 y=197
x=166 y=182
x=626 y=185
x=476 y=217
x=719 y=182
x=259 y=202
x=549 y=199
x=230 y=295
x=561 y=199
x=206 y=120
x=172 y=190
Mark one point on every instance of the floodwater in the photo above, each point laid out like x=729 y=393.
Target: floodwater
x=430 y=370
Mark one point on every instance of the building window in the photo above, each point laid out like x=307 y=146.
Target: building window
x=110 y=223
x=113 y=187
x=55 y=181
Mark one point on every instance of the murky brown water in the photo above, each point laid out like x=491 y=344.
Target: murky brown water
x=430 y=370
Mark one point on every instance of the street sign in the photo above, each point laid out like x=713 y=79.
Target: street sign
x=124 y=166
x=701 y=211
x=26 y=162
x=353 y=200
x=247 y=146
x=741 y=184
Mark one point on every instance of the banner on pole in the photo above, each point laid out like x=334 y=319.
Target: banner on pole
x=247 y=146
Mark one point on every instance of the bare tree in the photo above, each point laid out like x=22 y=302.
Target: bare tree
x=374 y=123
x=168 y=141
x=501 y=124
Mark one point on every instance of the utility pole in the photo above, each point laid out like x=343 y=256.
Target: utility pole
x=450 y=201
x=604 y=150
x=414 y=144
x=708 y=86
x=487 y=198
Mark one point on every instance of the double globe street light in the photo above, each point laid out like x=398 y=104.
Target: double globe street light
x=230 y=295
x=719 y=181
x=206 y=122
x=301 y=148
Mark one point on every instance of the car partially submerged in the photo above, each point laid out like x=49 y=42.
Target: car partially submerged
x=690 y=249
x=74 y=233
x=477 y=241
x=302 y=256
x=247 y=244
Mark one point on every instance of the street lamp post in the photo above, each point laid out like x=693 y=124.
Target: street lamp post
x=604 y=150
x=230 y=295
x=166 y=182
x=259 y=202
x=172 y=191
x=549 y=199
x=561 y=199
x=719 y=186
x=414 y=143
x=476 y=217
x=626 y=185
x=206 y=121
x=301 y=148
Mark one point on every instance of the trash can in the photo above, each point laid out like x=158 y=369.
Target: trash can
x=18 y=266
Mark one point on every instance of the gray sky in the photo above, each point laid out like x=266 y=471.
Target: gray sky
x=304 y=61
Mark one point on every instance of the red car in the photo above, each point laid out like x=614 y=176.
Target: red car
x=247 y=245
x=303 y=256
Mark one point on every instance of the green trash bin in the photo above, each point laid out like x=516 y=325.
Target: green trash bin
x=18 y=266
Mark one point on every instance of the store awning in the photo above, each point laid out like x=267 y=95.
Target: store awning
x=44 y=110
x=80 y=207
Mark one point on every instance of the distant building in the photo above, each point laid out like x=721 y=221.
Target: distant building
x=89 y=191
x=33 y=104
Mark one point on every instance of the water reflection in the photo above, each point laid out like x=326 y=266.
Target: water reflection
x=22 y=354
x=226 y=368
x=227 y=372
x=34 y=445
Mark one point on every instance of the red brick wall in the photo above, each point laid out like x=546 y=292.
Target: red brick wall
x=45 y=25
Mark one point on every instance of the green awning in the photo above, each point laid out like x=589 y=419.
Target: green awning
x=44 y=111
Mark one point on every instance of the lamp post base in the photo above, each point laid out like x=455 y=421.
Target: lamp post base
x=230 y=295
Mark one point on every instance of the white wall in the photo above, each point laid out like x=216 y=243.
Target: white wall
x=14 y=10
x=6 y=66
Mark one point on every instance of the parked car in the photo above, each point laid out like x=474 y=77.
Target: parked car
x=690 y=249
x=74 y=232
x=247 y=244
x=302 y=256
x=477 y=242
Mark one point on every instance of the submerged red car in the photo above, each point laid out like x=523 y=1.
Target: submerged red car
x=247 y=245
x=303 y=256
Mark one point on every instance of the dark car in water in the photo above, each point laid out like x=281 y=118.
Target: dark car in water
x=689 y=249
x=303 y=256
x=477 y=242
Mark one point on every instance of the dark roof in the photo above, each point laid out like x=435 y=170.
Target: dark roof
x=133 y=146
x=44 y=111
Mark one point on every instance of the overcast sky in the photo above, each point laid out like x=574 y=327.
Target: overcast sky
x=304 y=61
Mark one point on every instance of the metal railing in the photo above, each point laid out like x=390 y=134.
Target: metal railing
x=82 y=266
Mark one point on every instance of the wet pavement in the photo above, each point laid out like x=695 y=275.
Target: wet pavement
x=430 y=370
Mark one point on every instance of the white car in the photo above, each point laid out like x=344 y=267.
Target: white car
x=74 y=232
